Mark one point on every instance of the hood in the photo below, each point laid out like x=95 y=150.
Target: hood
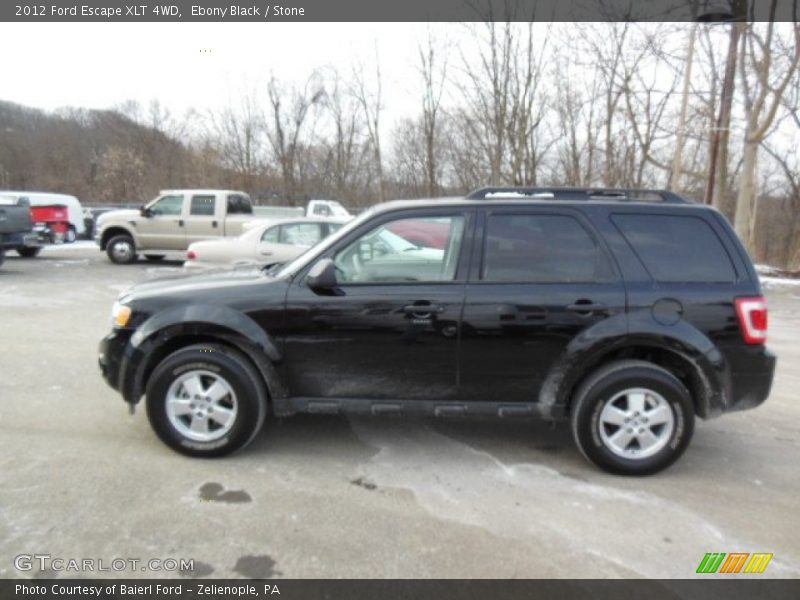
x=220 y=287
x=123 y=213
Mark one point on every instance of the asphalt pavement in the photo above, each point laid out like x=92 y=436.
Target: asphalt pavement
x=356 y=497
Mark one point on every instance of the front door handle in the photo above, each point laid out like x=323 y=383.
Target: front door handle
x=423 y=309
x=180 y=222
x=213 y=224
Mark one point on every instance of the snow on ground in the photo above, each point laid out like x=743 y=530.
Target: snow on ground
x=771 y=277
x=77 y=245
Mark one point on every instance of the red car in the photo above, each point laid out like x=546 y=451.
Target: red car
x=429 y=233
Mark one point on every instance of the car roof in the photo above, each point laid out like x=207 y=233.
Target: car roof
x=288 y=220
x=203 y=191
x=554 y=196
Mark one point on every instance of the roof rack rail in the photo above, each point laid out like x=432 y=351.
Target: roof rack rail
x=570 y=193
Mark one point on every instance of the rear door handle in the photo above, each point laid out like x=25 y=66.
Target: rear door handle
x=213 y=223
x=586 y=307
x=180 y=222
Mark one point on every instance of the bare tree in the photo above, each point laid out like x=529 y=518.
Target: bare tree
x=432 y=68
x=767 y=64
x=369 y=95
x=287 y=123
x=345 y=152
x=238 y=132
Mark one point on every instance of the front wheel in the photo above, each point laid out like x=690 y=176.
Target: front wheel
x=206 y=400
x=121 y=250
x=632 y=417
x=70 y=236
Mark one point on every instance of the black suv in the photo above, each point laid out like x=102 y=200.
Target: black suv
x=627 y=312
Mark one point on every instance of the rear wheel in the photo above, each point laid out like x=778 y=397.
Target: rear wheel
x=70 y=236
x=632 y=418
x=121 y=250
x=28 y=251
x=206 y=400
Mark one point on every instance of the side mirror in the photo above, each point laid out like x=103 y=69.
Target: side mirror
x=322 y=277
x=145 y=212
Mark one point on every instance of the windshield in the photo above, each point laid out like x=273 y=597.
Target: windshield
x=298 y=263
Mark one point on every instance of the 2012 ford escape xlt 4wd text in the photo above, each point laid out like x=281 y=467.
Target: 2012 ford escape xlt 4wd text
x=627 y=312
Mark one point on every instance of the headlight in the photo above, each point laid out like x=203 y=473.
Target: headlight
x=120 y=315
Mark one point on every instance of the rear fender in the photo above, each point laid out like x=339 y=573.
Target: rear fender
x=597 y=344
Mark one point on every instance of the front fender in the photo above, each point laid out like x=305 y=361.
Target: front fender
x=197 y=321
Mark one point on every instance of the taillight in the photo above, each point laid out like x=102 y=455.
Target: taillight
x=191 y=255
x=752 y=313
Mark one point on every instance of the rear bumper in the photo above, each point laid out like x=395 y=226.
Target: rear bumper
x=751 y=379
x=20 y=240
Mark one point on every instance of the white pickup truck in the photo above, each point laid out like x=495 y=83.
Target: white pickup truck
x=171 y=222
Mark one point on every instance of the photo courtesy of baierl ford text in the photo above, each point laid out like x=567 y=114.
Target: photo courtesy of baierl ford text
x=337 y=299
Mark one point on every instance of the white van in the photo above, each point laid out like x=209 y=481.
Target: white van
x=77 y=226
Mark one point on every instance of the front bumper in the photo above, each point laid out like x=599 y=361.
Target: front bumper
x=111 y=357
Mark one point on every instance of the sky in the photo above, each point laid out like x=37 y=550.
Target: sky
x=198 y=65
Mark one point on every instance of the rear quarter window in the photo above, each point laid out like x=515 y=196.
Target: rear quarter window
x=677 y=249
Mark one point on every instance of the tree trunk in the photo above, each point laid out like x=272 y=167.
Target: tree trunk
x=745 y=202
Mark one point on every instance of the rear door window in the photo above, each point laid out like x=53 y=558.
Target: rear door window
x=301 y=234
x=676 y=248
x=541 y=248
x=202 y=205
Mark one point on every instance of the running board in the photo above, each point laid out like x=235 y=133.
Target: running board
x=284 y=407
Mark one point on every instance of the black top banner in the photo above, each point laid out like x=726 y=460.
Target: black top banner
x=392 y=10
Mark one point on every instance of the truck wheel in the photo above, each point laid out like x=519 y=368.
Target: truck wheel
x=632 y=417
x=29 y=251
x=70 y=236
x=154 y=257
x=121 y=250
x=206 y=400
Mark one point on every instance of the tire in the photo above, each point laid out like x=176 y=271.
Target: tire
x=173 y=408
x=28 y=251
x=121 y=250
x=70 y=236
x=154 y=257
x=652 y=438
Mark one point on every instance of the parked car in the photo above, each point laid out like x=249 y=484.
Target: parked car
x=627 y=313
x=171 y=222
x=425 y=234
x=314 y=208
x=264 y=243
x=75 y=226
x=16 y=228
x=90 y=216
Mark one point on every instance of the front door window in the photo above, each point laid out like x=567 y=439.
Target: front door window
x=384 y=256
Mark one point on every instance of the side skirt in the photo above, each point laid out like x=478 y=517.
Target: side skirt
x=284 y=407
